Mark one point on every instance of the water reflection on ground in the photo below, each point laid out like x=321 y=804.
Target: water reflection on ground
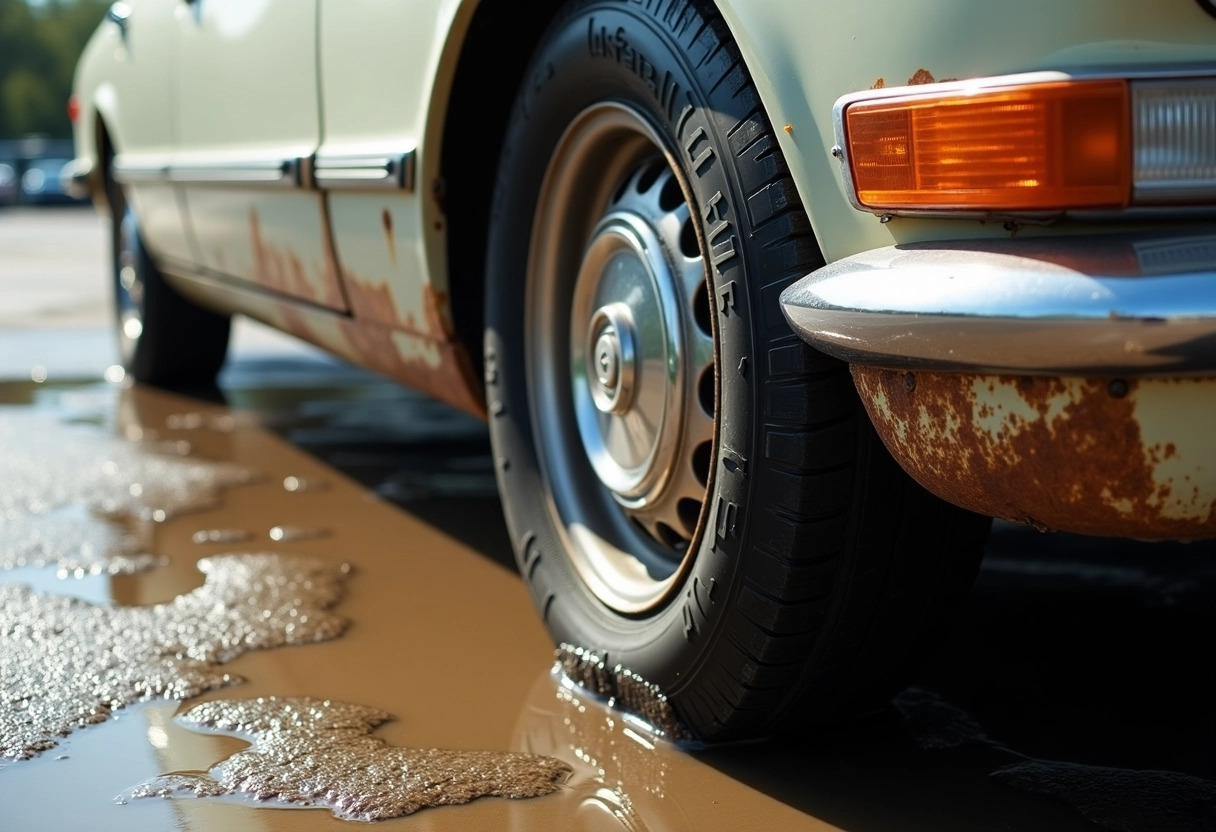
x=1075 y=694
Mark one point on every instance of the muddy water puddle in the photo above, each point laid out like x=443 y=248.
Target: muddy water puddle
x=85 y=501
x=128 y=513
x=445 y=640
x=311 y=752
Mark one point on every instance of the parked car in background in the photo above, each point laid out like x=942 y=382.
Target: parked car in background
x=990 y=226
x=41 y=183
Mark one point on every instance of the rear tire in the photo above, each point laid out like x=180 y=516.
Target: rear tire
x=751 y=549
x=164 y=339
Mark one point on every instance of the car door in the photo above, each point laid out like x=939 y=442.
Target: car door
x=379 y=62
x=249 y=121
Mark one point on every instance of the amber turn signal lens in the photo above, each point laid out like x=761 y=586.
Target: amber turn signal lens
x=1046 y=146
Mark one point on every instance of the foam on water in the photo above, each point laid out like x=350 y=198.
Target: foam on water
x=67 y=663
x=82 y=500
x=315 y=752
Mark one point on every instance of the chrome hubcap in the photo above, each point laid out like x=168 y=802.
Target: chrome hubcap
x=619 y=270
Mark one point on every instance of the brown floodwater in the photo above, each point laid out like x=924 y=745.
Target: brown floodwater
x=85 y=501
x=155 y=676
x=291 y=614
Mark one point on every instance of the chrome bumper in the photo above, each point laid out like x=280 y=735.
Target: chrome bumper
x=1137 y=304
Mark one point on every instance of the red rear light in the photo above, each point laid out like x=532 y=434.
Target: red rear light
x=73 y=109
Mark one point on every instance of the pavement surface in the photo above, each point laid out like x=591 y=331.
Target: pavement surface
x=1075 y=694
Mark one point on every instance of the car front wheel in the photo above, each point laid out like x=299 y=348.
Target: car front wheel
x=696 y=497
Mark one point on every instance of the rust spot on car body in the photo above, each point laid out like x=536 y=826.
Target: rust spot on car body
x=284 y=272
x=386 y=220
x=921 y=76
x=1056 y=453
x=438 y=313
x=442 y=369
x=377 y=302
x=879 y=84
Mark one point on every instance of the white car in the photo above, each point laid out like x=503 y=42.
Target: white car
x=593 y=223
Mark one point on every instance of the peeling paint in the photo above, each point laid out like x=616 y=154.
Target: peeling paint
x=921 y=76
x=440 y=369
x=1074 y=454
x=376 y=302
x=879 y=84
x=284 y=271
x=386 y=219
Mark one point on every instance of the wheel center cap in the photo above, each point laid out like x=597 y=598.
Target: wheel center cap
x=607 y=360
x=611 y=358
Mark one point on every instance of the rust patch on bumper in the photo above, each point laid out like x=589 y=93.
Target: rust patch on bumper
x=1086 y=455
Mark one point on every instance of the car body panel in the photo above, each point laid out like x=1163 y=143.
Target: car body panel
x=804 y=56
x=125 y=78
x=441 y=370
x=382 y=265
x=247 y=97
x=275 y=239
x=392 y=243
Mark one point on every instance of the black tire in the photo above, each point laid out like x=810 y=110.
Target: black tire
x=164 y=339
x=814 y=570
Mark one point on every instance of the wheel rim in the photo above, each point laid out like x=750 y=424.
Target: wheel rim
x=620 y=358
x=128 y=288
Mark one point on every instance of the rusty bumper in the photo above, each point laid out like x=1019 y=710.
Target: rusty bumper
x=1067 y=385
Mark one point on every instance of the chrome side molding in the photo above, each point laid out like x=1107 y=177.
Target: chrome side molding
x=128 y=170
x=392 y=171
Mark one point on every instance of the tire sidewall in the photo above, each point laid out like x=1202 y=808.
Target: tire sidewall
x=605 y=51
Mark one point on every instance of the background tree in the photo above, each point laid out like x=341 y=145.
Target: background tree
x=39 y=47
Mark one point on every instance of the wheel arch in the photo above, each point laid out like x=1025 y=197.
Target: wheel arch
x=104 y=186
x=479 y=104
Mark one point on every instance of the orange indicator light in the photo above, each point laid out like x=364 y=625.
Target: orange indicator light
x=1046 y=146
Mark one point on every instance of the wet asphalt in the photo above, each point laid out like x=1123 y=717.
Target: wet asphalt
x=1075 y=692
